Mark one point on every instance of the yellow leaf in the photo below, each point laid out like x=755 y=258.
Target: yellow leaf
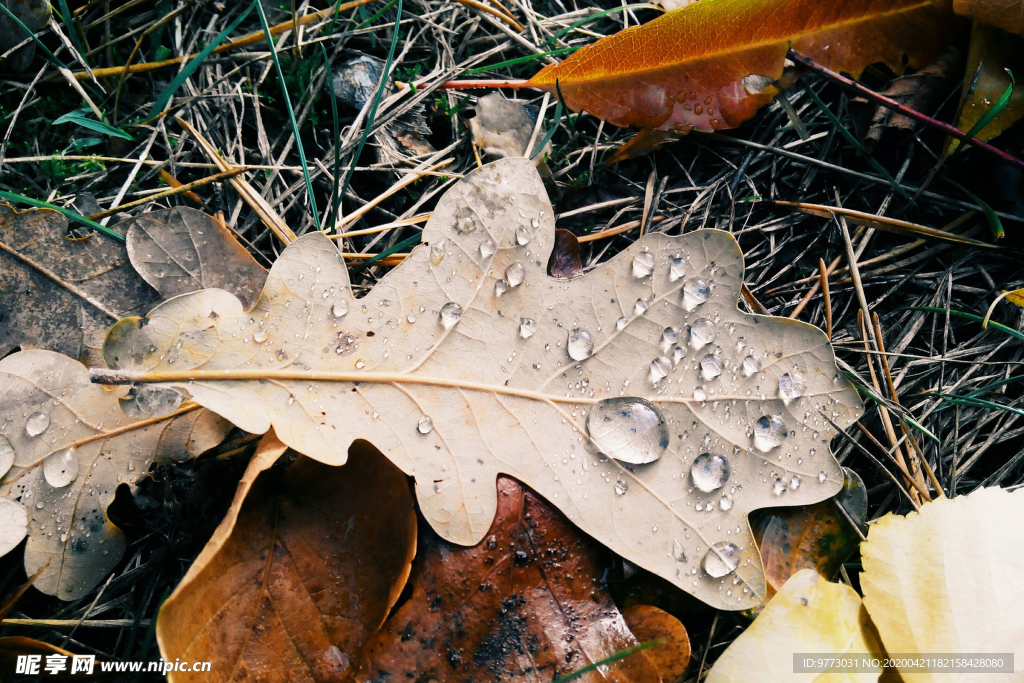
x=949 y=578
x=810 y=615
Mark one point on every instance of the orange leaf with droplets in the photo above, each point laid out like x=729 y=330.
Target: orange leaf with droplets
x=713 y=64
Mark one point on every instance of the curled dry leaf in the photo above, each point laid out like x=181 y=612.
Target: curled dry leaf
x=991 y=53
x=949 y=578
x=527 y=605
x=638 y=399
x=73 y=445
x=712 y=65
x=809 y=614
x=59 y=293
x=564 y=262
x=302 y=571
x=815 y=536
x=181 y=250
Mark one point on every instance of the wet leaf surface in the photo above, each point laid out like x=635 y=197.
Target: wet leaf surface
x=527 y=604
x=949 y=578
x=712 y=65
x=305 y=567
x=182 y=250
x=72 y=446
x=638 y=399
x=38 y=312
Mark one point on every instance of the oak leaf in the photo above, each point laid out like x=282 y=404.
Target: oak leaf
x=713 y=64
x=72 y=445
x=949 y=578
x=527 y=604
x=304 y=568
x=637 y=399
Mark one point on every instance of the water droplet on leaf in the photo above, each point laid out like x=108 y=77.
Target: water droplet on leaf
x=709 y=472
x=527 y=327
x=425 y=425
x=515 y=274
x=451 y=313
x=710 y=367
x=677 y=270
x=769 y=431
x=791 y=386
x=628 y=429
x=643 y=264
x=36 y=424
x=702 y=333
x=580 y=346
x=751 y=365
x=695 y=292
x=721 y=560
x=61 y=468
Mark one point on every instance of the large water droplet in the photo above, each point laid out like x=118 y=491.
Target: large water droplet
x=709 y=472
x=628 y=429
x=451 y=313
x=515 y=274
x=61 y=468
x=500 y=287
x=669 y=337
x=641 y=306
x=580 y=346
x=710 y=367
x=677 y=270
x=425 y=425
x=527 y=327
x=695 y=292
x=36 y=424
x=791 y=386
x=340 y=308
x=702 y=333
x=769 y=431
x=751 y=365
x=522 y=236
x=721 y=560
x=259 y=336
x=660 y=367
x=488 y=249
x=621 y=323
x=643 y=264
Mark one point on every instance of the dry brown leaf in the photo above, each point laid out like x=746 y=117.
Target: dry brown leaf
x=564 y=262
x=808 y=615
x=949 y=578
x=526 y=605
x=713 y=64
x=181 y=250
x=815 y=536
x=302 y=571
x=36 y=311
x=1006 y=14
x=73 y=445
x=672 y=654
x=467 y=361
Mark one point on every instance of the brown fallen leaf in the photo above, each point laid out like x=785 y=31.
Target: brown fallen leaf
x=649 y=623
x=564 y=262
x=72 y=445
x=59 y=293
x=637 y=397
x=922 y=91
x=181 y=250
x=527 y=604
x=1006 y=14
x=991 y=53
x=713 y=64
x=815 y=536
x=304 y=568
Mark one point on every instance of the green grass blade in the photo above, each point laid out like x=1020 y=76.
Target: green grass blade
x=193 y=64
x=376 y=101
x=376 y=16
x=970 y=316
x=595 y=17
x=556 y=119
x=415 y=239
x=79 y=118
x=989 y=116
x=76 y=40
x=621 y=654
x=291 y=111
x=335 y=200
x=72 y=215
x=518 y=60
x=991 y=217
